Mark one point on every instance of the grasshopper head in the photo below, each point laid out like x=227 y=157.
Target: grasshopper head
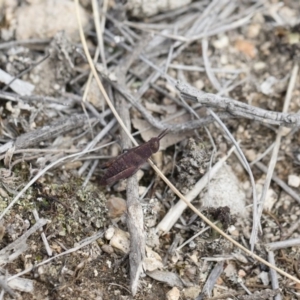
x=154 y=144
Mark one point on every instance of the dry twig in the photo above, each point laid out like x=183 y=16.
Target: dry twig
x=238 y=109
x=47 y=132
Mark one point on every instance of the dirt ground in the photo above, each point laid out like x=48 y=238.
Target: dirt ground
x=63 y=235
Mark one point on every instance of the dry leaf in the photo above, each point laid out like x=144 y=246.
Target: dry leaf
x=169 y=140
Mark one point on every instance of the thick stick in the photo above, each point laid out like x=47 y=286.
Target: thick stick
x=135 y=219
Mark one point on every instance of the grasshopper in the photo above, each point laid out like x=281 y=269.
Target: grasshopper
x=126 y=164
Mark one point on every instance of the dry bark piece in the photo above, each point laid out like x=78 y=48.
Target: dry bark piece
x=22 y=284
x=169 y=278
x=19 y=86
x=212 y=279
x=237 y=108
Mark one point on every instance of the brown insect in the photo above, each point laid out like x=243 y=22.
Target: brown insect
x=126 y=164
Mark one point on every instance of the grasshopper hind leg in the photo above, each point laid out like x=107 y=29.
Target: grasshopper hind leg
x=122 y=175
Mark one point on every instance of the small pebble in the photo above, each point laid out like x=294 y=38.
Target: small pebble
x=250 y=154
x=264 y=277
x=260 y=65
x=241 y=273
x=173 y=294
x=294 y=181
x=116 y=207
x=222 y=42
x=107 y=249
x=293 y=218
x=271 y=199
x=199 y=84
x=109 y=233
x=152 y=261
x=233 y=231
x=253 y=30
x=192 y=292
x=120 y=240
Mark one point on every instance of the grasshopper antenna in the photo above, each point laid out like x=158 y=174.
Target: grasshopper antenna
x=162 y=134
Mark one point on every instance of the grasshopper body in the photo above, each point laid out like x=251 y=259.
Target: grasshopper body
x=129 y=162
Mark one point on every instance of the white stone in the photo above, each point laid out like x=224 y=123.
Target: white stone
x=271 y=199
x=109 y=233
x=260 y=65
x=294 y=181
x=225 y=190
x=173 y=294
x=222 y=42
x=267 y=87
x=120 y=241
x=153 y=261
x=264 y=277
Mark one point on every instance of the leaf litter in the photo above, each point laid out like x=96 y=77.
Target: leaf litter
x=252 y=50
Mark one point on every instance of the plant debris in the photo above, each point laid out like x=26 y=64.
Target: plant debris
x=213 y=75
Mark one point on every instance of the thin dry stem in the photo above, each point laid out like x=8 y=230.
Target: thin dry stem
x=45 y=241
x=283 y=244
x=273 y=275
x=273 y=159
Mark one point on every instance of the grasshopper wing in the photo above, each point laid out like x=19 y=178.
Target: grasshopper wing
x=122 y=175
